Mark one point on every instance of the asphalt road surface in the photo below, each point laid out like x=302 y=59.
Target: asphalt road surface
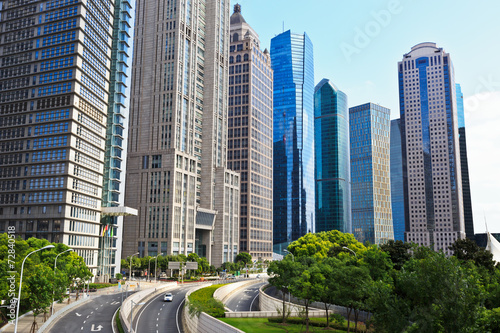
x=245 y=300
x=158 y=316
x=94 y=316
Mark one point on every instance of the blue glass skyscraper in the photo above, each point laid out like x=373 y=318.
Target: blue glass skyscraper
x=333 y=176
x=370 y=179
x=293 y=94
x=397 y=192
x=464 y=165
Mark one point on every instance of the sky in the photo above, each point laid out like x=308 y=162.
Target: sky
x=357 y=45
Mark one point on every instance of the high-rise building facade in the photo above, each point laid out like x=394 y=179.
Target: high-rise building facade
x=397 y=191
x=464 y=165
x=332 y=152
x=370 y=173
x=293 y=138
x=56 y=76
x=430 y=148
x=250 y=135
x=187 y=199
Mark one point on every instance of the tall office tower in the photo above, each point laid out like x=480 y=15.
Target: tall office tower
x=464 y=165
x=397 y=192
x=370 y=173
x=250 y=148
x=188 y=201
x=55 y=101
x=333 y=175
x=430 y=148
x=293 y=151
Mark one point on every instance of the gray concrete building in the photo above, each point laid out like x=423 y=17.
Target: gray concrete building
x=187 y=199
x=63 y=104
x=250 y=148
x=432 y=177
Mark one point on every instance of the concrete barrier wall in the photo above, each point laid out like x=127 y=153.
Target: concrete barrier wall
x=190 y=323
x=61 y=312
x=141 y=296
x=209 y=324
x=269 y=303
x=223 y=293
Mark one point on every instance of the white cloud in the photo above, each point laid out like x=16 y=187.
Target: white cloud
x=482 y=123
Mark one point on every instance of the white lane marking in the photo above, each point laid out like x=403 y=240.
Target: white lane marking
x=84 y=321
x=177 y=315
x=81 y=328
x=79 y=315
x=253 y=301
x=144 y=308
x=92 y=312
x=158 y=313
x=112 y=319
x=88 y=316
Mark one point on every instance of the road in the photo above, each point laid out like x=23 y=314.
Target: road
x=159 y=316
x=246 y=299
x=94 y=316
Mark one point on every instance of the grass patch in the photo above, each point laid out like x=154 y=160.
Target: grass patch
x=119 y=322
x=262 y=325
x=202 y=300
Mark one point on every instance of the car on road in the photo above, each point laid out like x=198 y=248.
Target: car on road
x=168 y=297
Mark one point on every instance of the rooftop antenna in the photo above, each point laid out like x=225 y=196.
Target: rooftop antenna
x=283 y=26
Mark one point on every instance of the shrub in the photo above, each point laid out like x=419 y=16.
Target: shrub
x=202 y=300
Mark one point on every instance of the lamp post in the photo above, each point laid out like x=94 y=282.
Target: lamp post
x=130 y=268
x=132 y=315
x=149 y=269
x=55 y=267
x=346 y=248
x=21 y=281
x=293 y=257
x=156 y=265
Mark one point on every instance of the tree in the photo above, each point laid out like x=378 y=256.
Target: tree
x=467 y=250
x=432 y=294
x=377 y=262
x=398 y=251
x=40 y=285
x=326 y=288
x=354 y=289
x=78 y=272
x=282 y=274
x=305 y=284
x=319 y=244
x=243 y=258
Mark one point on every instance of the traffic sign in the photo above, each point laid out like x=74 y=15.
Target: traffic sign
x=174 y=265
x=191 y=265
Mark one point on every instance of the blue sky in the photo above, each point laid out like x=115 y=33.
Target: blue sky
x=357 y=45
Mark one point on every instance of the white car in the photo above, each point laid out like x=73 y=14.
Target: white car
x=168 y=297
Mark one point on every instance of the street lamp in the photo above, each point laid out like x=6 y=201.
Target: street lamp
x=156 y=263
x=55 y=267
x=130 y=268
x=346 y=248
x=293 y=257
x=149 y=269
x=132 y=315
x=21 y=281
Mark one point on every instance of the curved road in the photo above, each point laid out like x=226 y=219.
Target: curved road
x=245 y=300
x=94 y=316
x=159 y=316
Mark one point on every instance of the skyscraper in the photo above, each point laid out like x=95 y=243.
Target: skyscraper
x=464 y=165
x=370 y=173
x=188 y=201
x=333 y=175
x=59 y=60
x=293 y=98
x=250 y=135
x=430 y=148
x=397 y=192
